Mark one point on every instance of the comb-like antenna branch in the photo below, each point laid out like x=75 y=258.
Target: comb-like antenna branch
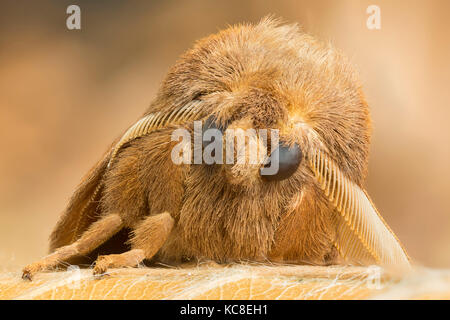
x=363 y=236
x=156 y=121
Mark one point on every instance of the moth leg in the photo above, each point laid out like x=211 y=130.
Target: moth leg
x=99 y=232
x=148 y=237
x=127 y=259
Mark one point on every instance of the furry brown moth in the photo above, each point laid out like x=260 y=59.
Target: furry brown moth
x=314 y=210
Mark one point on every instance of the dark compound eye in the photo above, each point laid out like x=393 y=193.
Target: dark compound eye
x=288 y=159
x=210 y=123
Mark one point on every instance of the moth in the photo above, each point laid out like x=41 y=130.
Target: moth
x=136 y=204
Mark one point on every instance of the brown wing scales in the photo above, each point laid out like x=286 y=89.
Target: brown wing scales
x=83 y=208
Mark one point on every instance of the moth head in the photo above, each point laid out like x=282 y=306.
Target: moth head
x=275 y=77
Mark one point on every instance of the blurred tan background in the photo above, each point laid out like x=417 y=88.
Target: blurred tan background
x=65 y=95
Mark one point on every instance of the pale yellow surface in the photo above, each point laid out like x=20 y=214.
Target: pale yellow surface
x=233 y=282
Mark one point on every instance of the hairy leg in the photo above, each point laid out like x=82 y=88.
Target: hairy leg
x=99 y=232
x=149 y=236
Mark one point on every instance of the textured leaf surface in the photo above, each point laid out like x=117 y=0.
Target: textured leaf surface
x=235 y=282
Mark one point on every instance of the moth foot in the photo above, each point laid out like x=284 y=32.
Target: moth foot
x=101 y=265
x=27 y=275
x=29 y=271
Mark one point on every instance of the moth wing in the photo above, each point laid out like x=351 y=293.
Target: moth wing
x=363 y=237
x=83 y=208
